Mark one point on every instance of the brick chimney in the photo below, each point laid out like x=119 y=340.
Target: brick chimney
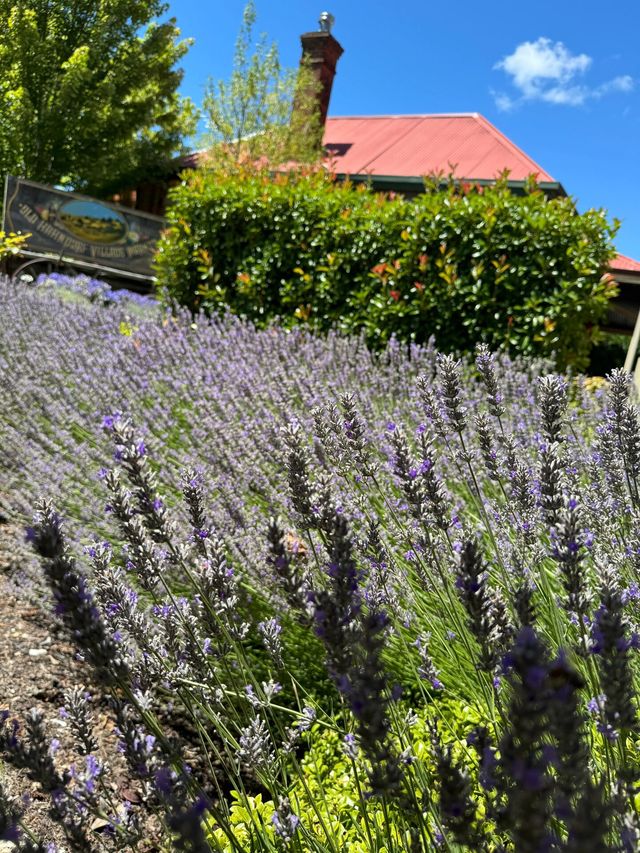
x=322 y=52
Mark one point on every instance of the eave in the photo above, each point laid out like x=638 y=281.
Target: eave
x=414 y=185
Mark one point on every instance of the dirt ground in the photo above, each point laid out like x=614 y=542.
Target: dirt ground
x=37 y=665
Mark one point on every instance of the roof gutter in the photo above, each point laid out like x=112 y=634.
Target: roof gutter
x=625 y=276
x=414 y=185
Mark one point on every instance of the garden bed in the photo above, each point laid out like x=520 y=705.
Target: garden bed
x=392 y=597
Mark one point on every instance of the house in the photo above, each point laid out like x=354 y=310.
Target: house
x=392 y=153
x=395 y=152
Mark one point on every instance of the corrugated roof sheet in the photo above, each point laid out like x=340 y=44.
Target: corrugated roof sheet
x=624 y=264
x=426 y=144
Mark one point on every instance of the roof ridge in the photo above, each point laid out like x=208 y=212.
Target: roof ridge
x=501 y=136
x=409 y=115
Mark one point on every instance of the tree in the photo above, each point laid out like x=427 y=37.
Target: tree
x=264 y=112
x=88 y=91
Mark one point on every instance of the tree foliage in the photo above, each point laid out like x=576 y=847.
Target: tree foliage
x=264 y=112
x=88 y=91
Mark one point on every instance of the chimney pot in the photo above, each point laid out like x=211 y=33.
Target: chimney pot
x=326 y=22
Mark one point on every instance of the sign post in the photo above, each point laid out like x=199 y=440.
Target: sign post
x=632 y=351
x=66 y=226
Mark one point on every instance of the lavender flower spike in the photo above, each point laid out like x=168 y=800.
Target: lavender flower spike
x=612 y=644
x=486 y=612
x=552 y=401
x=485 y=362
x=74 y=602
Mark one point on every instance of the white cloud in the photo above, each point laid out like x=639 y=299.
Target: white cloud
x=503 y=101
x=618 y=84
x=573 y=96
x=534 y=62
x=543 y=70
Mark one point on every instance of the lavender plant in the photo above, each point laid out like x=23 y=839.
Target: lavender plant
x=94 y=290
x=395 y=597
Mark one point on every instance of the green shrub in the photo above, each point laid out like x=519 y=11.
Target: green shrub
x=459 y=263
x=327 y=793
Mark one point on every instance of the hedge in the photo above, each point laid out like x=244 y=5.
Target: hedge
x=462 y=263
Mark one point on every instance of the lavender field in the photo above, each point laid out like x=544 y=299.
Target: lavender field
x=394 y=595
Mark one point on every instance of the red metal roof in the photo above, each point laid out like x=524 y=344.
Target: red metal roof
x=426 y=144
x=621 y=263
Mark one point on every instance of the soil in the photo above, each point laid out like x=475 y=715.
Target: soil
x=37 y=665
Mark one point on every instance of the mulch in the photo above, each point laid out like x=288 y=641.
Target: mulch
x=37 y=665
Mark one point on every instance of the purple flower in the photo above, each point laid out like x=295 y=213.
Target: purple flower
x=595 y=704
x=350 y=746
x=308 y=716
x=164 y=780
x=285 y=822
x=10 y=833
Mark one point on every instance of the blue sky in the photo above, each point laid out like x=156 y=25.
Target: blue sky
x=561 y=79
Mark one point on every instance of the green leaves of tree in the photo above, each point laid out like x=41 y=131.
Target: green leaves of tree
x=88 y=92
x=263 y=111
